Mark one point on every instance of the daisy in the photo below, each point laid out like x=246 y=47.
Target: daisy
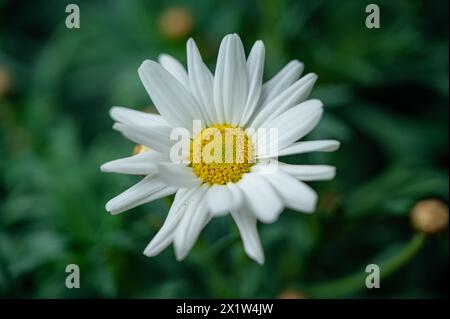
x=233 y=99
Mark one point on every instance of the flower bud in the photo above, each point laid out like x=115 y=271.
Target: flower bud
x=430 y=216
x=292 y=294
x=176 y=23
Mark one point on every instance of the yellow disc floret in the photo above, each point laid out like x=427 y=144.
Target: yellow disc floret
x=221 y=153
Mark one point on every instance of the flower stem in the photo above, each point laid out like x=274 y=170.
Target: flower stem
x=353 y=283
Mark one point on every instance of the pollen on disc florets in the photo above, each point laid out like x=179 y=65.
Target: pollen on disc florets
x=221 y=153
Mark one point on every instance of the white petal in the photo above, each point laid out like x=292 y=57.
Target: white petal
x=155 y=137
x=231 y=80
x=296 y=93
x=292 y=125
x=238 y=196
x=246 y=223
x=201 y=82
x=255 y=68
x=170 y=97
x=165 y=235
x=140 y=164
x=260 y=197
x=295 y=194
x=281 y=81
x=310 y=146
x=177 y=175
x=222 y=198
x=305 y=147
x=133 y=117
x=309 y=172
x=175 y=68
x=148 y=189
x=191 y=224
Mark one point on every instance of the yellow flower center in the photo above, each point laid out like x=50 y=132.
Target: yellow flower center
x=221 y=153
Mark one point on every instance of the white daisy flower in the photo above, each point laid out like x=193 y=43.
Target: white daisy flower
x=233 y=99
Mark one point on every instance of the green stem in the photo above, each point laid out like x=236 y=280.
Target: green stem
x=353 y=283
x=410 y=250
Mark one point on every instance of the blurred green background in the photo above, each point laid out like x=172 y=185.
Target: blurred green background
x=386 y=97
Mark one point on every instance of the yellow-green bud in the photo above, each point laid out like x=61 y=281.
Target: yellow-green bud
x=430 y=216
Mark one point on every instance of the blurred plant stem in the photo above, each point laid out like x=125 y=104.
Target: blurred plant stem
x=350 y=285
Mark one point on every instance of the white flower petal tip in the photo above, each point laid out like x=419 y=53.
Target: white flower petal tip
x=171 y=98
x=258 y=257
x=109 y=210
x=140 y=164
x=151 y=250
x=281 y=81
x=104 y=168
x=295 y=94
x=158 y=244
x=117 y=126
x=255 y=69
x=311 y=209
x=231 y=82
x=174 y=67
x=191 y=224
x=134 y=117
x=110 y=168
x=166 y=234
x=155 y=137
x=311 y=146
x=294 y=194
x=180 y=256
x=297 y=66
x=148 y=189
x=309 y=172
x=201 y=82
x=333 y=146
x=112 y=207
x=304 y=147
x=246 y=223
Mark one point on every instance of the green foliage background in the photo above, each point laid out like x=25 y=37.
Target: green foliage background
x=386 y=97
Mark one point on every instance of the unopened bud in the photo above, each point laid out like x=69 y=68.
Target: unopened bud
x=430 y=216
x=292 y=294
x=176 y=23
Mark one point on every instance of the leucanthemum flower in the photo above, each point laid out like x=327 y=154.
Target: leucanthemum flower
x=233 y=99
